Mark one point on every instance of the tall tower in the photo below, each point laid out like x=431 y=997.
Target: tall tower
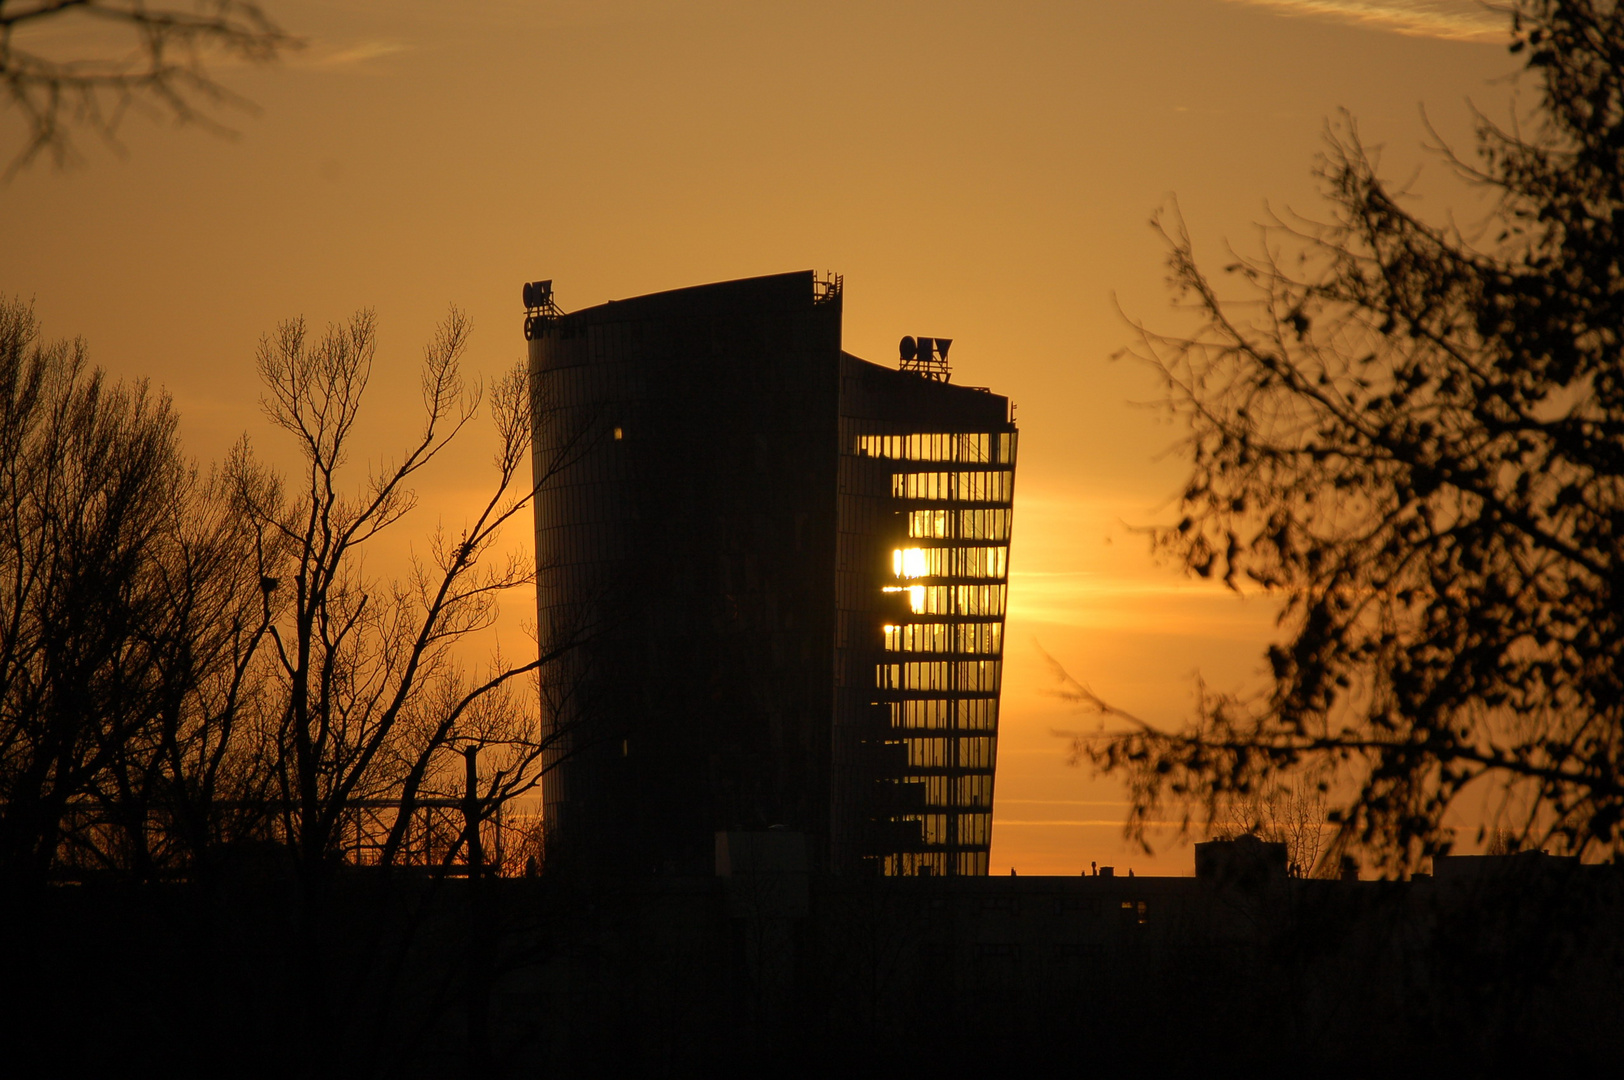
x=927 y=473
x=782 y=574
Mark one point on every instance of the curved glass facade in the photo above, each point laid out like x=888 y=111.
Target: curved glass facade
x=933 y=718
x=783 y=572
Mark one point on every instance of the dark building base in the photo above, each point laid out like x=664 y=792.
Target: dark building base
x=672 y=977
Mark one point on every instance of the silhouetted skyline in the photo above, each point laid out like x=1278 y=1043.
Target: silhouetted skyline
x=983 y=172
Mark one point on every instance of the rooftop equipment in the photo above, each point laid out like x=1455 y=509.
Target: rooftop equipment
x=539 y=309
x=926 y=357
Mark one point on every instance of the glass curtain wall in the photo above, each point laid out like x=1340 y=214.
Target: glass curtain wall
x=941 y=660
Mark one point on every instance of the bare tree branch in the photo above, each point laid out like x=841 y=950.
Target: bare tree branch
x=86 y=64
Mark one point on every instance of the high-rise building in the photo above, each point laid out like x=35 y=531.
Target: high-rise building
x=784 y=570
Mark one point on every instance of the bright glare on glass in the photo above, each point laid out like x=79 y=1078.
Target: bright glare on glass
x=909 y=562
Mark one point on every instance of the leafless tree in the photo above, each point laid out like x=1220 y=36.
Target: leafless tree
x=1292 y=812
x=374 y=702
x=86 y=64
x=85 y=468
x=195 y=782
x=129 y=617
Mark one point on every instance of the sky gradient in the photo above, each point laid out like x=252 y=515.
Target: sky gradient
x=980 y=172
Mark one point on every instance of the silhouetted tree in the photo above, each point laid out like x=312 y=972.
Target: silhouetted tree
x=1416 y=441
x=373 y=702
x=122 y=55
x=373 y=707
x=124 y=628
x=1290 y=812
x=86 y=469
x=195 y=781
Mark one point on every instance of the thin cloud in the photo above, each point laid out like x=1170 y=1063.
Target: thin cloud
x=1091 y=823
x=354 y=54
x=322 y=55
x=1097 y=583
x=1065 y=802
x=1096 y=600
x=1446 y=20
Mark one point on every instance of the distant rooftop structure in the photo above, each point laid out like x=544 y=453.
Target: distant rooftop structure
x=1247 y=860
x=1520 y=864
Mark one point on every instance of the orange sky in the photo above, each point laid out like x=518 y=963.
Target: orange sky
x=977 y=171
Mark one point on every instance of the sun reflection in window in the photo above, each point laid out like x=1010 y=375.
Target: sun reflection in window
x=940 y=665
x=916 y=597
x=909 y=562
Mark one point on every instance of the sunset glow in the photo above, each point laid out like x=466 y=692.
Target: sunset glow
x=979 y=171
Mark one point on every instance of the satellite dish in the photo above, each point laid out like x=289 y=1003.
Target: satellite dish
x=908 y=347
x=537 y=294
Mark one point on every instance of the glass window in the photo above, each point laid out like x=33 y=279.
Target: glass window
x=957 y=486
x=970 y=448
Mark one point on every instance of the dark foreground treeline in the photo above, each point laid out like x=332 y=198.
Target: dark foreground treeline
x=199 y=662
x=212 y=714
x=528 y=977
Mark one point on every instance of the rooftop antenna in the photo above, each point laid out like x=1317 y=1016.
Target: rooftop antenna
x=540 y=312
x=826 y=289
